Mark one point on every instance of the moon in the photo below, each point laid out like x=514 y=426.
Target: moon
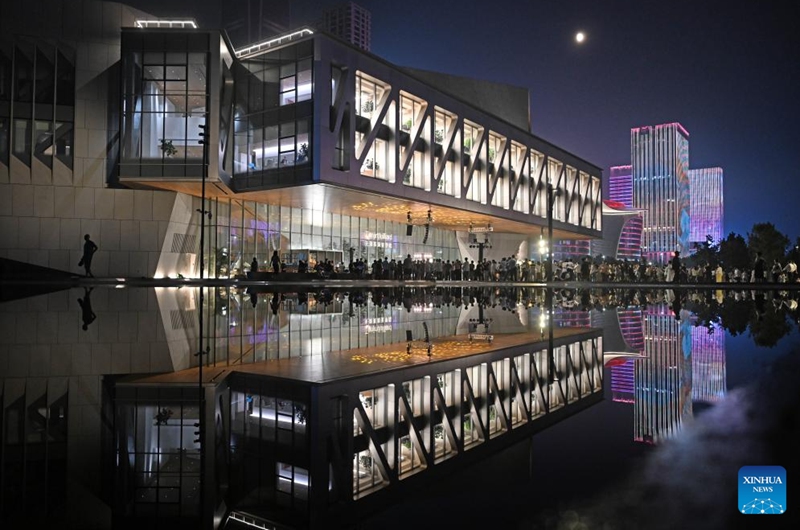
x=580 y=37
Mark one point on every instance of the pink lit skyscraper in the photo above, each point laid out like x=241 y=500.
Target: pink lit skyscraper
x=660 y=168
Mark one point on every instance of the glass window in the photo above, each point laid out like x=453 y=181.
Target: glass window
x=164 y=107
x=65 y=81
x=23 y=76
x=5 y=77
x=45 y=78
x=5 y=137
x=22 y=140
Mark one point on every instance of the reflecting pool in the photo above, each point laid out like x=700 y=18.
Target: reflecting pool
x=311 y=406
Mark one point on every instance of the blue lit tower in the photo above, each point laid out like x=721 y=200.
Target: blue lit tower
x=660 y=167
x=706 y=204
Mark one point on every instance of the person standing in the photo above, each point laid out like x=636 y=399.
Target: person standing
x=276 y=262
x=89 y=248
x=759 y=268
x=254 y=265
x=676 y=267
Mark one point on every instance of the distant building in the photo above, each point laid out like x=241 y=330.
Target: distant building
x=660 y=168
x=350 y=22
x=622 y=237
x=706 y=200
x=620 y=185
x=248 y=21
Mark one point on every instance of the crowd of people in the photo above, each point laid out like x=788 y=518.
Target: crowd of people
x=511 y=269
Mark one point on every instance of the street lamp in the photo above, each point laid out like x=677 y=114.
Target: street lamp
x=552 y=192
x=200 y=432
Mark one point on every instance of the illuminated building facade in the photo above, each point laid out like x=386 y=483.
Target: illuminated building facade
x=312 y=148
x=309 y=146
x=707 y=208
x=622 y=237
x=660 y=168
x=709 y=380
x=664 y=377
x=620 y=185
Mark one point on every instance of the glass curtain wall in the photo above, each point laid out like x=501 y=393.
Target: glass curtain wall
x=268 y=446
x=165 y=93
x=271 y=131
x=41 y=78
x=158 y=453
x=251 y=327
x=243 y=230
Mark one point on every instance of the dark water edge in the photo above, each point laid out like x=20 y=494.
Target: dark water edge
x=585 y=473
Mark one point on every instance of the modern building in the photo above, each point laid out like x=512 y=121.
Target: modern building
x=681 y=206
x=311 y=148
x=350 y=22
x=620 y=185
x=706 y=205
x=660 y=167
x=622 y=237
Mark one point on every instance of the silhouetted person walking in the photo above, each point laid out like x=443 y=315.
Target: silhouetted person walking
x=89 y=248
x=87 y=315
x=676 y=267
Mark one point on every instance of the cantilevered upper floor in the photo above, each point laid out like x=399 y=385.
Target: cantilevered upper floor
x=305 y=116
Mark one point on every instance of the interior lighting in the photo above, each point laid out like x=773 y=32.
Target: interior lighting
x=254 y=48
x=173 y=24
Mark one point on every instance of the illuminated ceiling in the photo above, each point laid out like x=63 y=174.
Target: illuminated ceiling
x=362 y=204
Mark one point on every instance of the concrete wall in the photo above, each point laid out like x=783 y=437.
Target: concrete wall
x=45 y=351
x=44 y=213
x=508 y=102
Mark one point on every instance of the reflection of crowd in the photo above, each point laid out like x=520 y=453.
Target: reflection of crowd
x=511 y=269
x=512 y=298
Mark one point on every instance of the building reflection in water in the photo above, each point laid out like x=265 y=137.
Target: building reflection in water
x=313 y=401
x=680 y=363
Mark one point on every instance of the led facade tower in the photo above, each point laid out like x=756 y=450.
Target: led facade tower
x=620 y=185
x=709 y=380
x=660 y=167
x=706 y=204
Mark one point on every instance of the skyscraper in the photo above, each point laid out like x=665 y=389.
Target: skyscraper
x=660 y=169
x=620 y=185
x=350 y=22
x=706 y=201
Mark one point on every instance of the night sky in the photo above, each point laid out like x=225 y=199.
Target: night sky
x=729 y=72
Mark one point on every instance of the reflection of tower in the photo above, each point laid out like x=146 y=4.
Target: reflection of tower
x=623 y=376
x=663 y=378
x=708 y=364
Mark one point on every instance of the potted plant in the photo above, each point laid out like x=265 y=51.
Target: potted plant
x=407 y=125
x=302 y=153
x=368 y=106
x=492 y=154
x=467 y=145
x=167 y=148
x=438 y=136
